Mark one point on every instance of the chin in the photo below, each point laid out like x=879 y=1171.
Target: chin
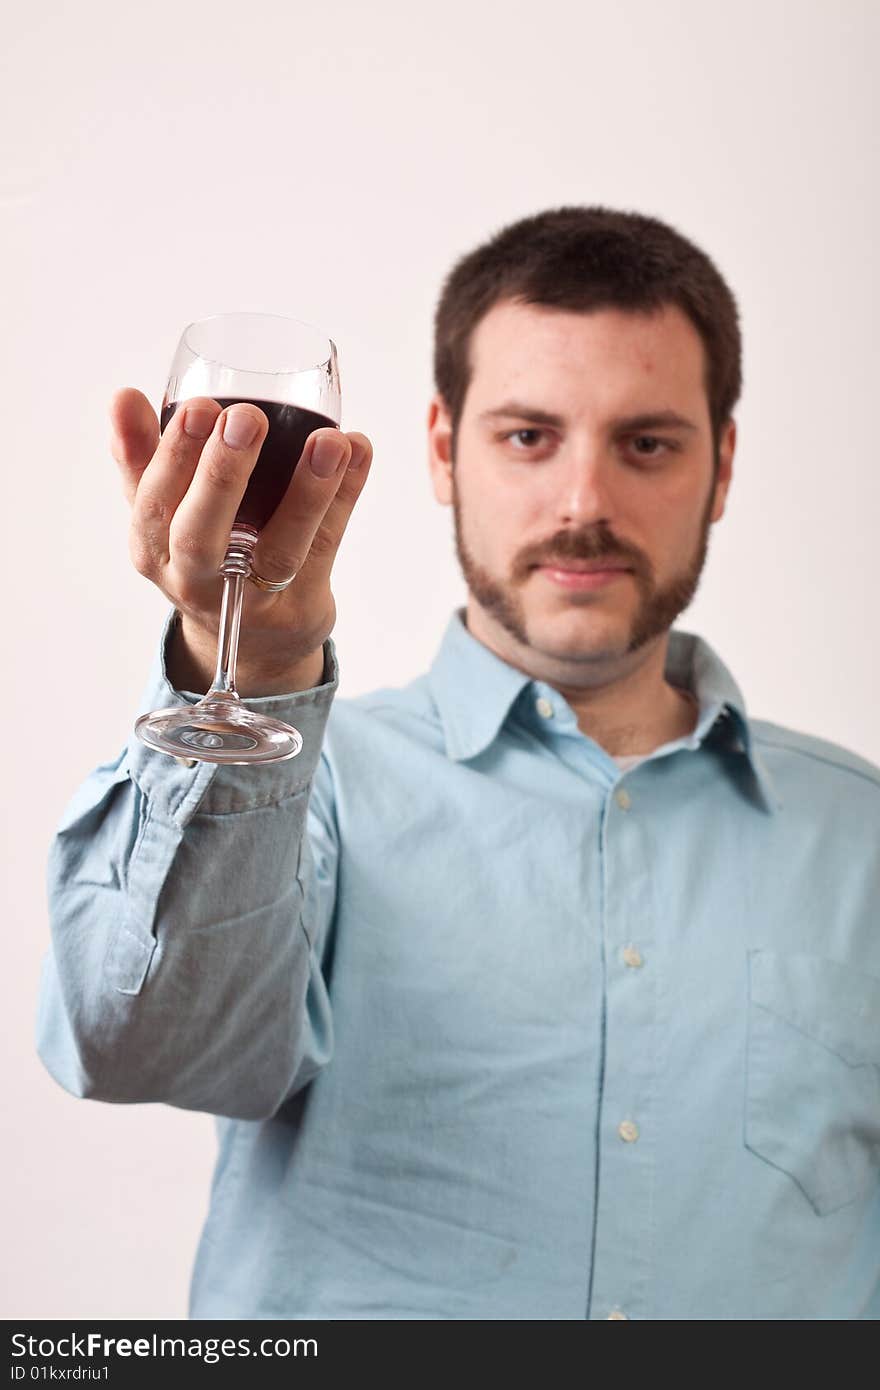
x=578 y=632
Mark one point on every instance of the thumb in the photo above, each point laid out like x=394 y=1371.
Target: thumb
x=134 y=435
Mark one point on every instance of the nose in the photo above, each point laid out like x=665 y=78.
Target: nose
x=584 y=486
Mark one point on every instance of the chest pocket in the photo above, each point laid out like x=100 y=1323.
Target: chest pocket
x=813 y=1074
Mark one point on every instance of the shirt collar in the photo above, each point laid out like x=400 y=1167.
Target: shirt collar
x=474 y=691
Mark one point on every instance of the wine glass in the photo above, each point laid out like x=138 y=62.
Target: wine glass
x=289 y=369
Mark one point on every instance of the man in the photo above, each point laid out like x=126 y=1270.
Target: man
x=547 y=986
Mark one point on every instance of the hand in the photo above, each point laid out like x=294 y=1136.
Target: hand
x=184 y=489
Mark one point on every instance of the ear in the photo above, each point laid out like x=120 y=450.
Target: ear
x=440 y=449
x=726 y=446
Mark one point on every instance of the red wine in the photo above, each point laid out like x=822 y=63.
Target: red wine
x=289 y=428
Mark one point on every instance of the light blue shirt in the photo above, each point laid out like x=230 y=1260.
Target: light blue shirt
x=493 y=1029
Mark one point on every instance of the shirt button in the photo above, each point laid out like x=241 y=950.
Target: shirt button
x=628 y=1131
x=622 y=797
x=632 y=956
x=544 y=707
x=617 y=1314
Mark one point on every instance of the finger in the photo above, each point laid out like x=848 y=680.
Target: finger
x=166 y=478
x=286 y=539
x=199 y=530
x=134 y=434
x=327 y=538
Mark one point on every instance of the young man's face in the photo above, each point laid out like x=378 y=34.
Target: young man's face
x=602 y=479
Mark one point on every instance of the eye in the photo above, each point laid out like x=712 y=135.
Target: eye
x=655 y=445
x=517 y=434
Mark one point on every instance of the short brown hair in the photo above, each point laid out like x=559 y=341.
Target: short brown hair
x=585 y=258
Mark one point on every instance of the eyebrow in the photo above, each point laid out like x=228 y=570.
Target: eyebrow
x=655 y=419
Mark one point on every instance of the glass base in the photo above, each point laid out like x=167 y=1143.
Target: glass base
x=218 y=730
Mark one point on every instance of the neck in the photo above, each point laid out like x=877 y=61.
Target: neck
x=624 y=703
x=631 y=716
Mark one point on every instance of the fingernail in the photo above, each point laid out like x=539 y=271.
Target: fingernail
x=198 y=422
x=240 y=429
x=326 y=456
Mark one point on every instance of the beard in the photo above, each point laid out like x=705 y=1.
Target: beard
x=657 y=607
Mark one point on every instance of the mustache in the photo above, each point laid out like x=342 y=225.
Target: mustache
x=584 y=546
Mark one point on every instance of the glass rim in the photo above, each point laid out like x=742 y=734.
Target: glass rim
x=257 y=314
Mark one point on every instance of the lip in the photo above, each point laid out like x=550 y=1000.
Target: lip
x=583 y=579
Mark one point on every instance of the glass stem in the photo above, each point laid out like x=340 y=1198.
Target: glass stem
x=235 y=569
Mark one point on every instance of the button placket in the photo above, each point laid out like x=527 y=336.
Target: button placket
x=623 y=1261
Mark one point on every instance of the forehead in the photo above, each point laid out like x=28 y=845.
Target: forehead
x=604 y=358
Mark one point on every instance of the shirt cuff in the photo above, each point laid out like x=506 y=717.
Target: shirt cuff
x=178 y=791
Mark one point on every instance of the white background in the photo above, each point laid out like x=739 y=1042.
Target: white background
x=167 y=162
